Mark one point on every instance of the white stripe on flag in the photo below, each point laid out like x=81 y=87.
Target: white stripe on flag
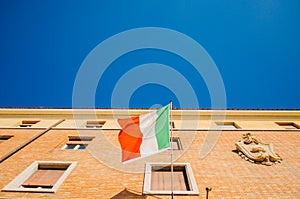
x=147 y=126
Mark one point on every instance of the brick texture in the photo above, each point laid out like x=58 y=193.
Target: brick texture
x=222 y=168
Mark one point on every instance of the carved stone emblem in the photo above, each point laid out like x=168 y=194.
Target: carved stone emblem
x=254 y=150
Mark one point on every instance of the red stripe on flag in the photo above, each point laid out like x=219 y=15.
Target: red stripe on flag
x=130 y=138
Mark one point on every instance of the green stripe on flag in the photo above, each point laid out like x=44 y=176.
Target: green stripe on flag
x=162 y=128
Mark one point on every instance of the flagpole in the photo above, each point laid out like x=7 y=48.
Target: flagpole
x=171 y=140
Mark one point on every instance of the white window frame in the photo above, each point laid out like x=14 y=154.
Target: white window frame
x=190 y=177
x=16 y=184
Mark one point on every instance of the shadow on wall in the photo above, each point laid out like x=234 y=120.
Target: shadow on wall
x=128 y=194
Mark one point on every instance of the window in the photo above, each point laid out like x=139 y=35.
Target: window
x=41 y=176
x=288 y=125
x=158 y=179
x=5 y=137
x=77 y=142
x=28 y=123
x=227 y=125
x=74 y=146
x=176 y=143
x=172 y=125
x=94 y=124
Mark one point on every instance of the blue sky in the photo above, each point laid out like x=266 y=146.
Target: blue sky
x=254 y=45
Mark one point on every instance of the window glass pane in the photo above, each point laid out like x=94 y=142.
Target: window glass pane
x=25 y=125
x=81 y=147
x=71 y=146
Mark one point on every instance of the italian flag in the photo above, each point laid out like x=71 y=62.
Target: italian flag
x=144 y=135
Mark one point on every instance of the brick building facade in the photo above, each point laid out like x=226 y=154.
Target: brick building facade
x=46 y=153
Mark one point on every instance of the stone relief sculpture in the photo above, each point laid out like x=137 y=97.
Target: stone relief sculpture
x=254 y=150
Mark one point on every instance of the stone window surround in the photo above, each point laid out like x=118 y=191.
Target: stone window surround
x=189 y=172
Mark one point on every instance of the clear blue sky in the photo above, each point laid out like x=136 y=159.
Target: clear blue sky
x=254 y=44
